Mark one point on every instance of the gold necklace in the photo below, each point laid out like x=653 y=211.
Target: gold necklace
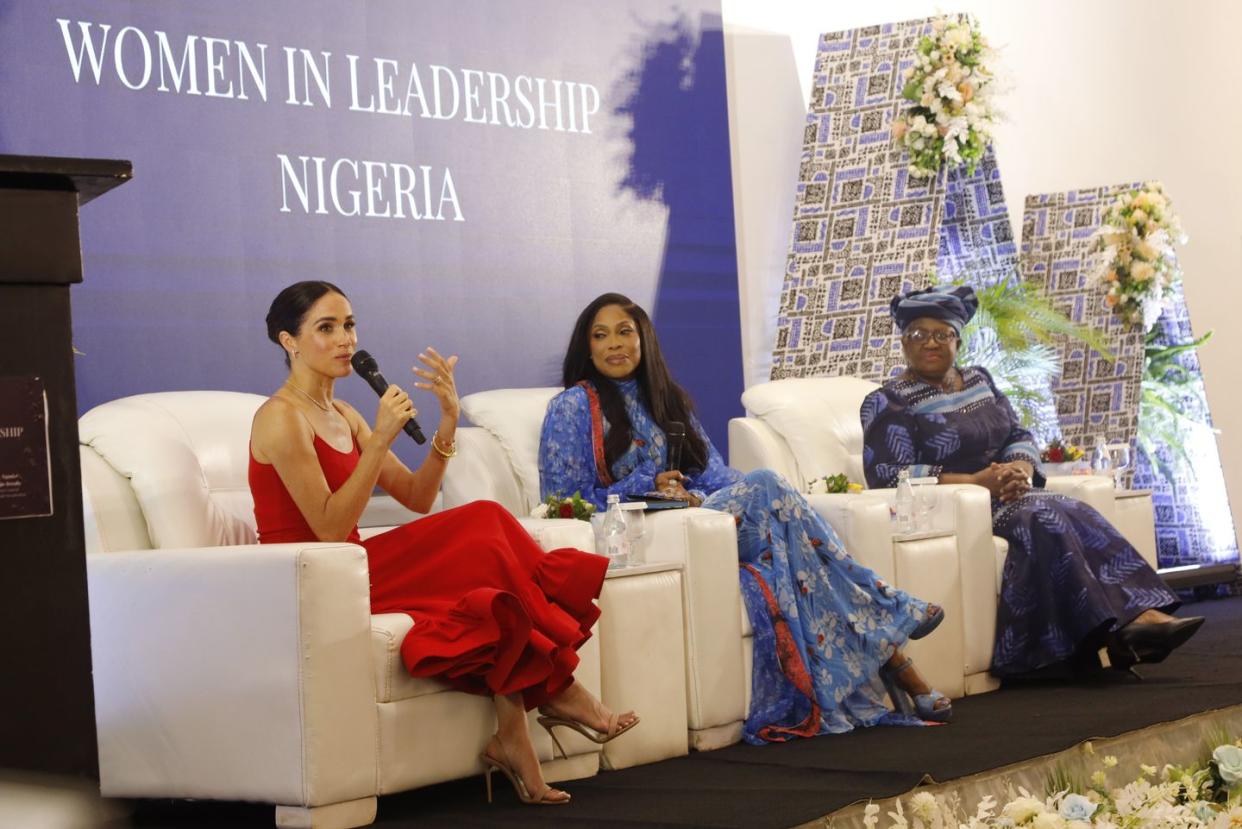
x=327 y=407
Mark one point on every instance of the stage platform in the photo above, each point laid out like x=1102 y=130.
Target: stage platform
x=801 y=782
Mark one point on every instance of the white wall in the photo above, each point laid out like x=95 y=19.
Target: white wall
x=1099 y=92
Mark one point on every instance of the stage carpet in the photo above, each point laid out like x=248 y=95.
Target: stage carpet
x=798 y=782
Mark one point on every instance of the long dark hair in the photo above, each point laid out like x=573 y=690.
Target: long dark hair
x=667 y=401
x=290 y=307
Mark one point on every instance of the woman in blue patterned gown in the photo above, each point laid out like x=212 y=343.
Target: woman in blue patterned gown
x=825 y=627
x=1071 y=583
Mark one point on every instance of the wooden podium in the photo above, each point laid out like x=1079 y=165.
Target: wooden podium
x=47 y=711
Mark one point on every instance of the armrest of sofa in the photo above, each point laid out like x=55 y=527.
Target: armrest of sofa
x=1095 y=490
x=554 y=533
x=238 y=673
x=865 y=527
x=966 y=511
x=704 y=542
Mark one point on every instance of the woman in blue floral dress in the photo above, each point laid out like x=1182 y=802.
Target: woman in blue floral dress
x=825 y=627
x=1071 y=583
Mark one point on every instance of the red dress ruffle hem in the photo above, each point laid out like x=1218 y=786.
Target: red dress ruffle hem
x=493 y=613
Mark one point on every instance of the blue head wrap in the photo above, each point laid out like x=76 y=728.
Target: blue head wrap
x=954 y=306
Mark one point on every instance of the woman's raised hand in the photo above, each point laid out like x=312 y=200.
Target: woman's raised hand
x=395 y=410
x=438 y=377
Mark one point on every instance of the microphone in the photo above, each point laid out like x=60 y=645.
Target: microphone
x=675 y=434
x=368 y=370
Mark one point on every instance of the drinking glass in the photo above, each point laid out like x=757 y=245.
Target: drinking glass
x=635 y=527
x=924 y=506
x=1119 y=454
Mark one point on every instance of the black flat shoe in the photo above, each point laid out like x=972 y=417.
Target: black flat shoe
x=1150 y=642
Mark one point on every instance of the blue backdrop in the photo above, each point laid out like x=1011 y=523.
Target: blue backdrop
x=472 y=174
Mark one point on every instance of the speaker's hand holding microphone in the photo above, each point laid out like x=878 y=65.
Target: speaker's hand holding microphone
x=396 y=412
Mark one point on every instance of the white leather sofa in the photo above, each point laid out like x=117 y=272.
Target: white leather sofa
x=228 y=670
x=804 y=428
x=498 y=460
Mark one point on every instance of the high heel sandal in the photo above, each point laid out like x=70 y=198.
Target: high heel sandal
x=491 y=764
x=929 y=624
x=922 y=706
x=615 y=730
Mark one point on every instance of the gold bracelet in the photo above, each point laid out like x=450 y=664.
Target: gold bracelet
x=451 y=452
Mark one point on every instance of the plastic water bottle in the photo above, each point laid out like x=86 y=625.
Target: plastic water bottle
x=905 y=502
x=616 y=534
x=1101 y=461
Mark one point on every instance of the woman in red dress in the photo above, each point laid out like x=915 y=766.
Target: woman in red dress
x=493 y=614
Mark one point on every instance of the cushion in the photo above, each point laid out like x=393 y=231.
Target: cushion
x=515 y=418
x=818 y=418
x=392 y=681
x=186 y=456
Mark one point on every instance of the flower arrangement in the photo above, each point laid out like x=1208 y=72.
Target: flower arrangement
x=1134 y=254
x=557 y=506
x=832 y=484
x=1204 y=795
x=951 y=117
x=1058 y=452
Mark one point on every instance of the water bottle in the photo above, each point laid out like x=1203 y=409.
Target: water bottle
x=1101 y=461
x=905 y=502
x=616 y=534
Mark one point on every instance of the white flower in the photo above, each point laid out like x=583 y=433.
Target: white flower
x=1048 y=820
x=869 y=815
x=1228 y=760
x=1022 y=809
x=1139 y=272
x=923 y=806
x=1148 y=771
x=1110 y=762
x=1099 y=780
x=540 y=511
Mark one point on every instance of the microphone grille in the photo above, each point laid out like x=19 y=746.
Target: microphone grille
x=363 y=362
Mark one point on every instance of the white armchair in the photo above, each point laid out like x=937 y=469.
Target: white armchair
x=499 y=460
x=231 y=671
x=808 y=427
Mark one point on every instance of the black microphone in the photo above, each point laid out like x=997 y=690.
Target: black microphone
x=675 y=434
x=368 y=370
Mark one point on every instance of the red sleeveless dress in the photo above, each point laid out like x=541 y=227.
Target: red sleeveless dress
x=493 y=613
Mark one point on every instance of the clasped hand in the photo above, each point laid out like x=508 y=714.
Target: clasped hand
x=671 y=483
x=1006 y=481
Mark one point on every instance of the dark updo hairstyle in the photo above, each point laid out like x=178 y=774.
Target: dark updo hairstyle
x=667 y=401
x=290 y=307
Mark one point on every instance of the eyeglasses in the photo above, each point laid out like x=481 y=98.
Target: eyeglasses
x=922 y=335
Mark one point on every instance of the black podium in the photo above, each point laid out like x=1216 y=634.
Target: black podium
x=47 y=712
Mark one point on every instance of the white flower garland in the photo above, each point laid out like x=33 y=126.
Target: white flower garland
x=1134 y=254
x=1199 y=796
x=949 y=84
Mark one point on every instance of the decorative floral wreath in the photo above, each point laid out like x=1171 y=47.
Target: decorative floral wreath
x=832 y=484
x=1203 y=795
x=1135 y=260
x=949 y=85
x=565 y=507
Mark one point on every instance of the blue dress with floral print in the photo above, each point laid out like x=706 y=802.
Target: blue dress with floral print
x=1069 y=576
x=823 y=624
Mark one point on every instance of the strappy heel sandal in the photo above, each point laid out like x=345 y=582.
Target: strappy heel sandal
x=933 y=620
x=614 y=729
x=922 y=706
x=491 y=764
